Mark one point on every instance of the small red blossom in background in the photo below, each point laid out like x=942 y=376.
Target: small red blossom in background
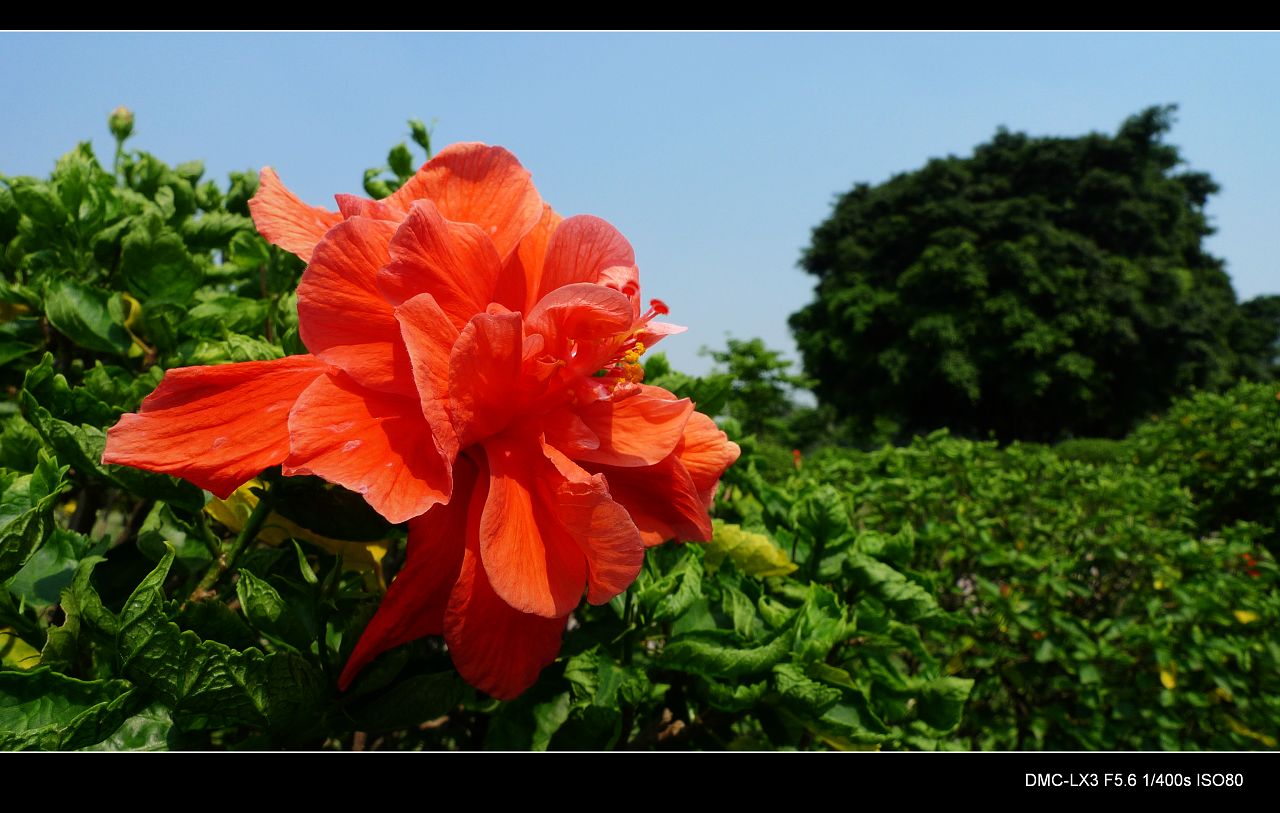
x=1250 y=565
x=796 y=458
x=473 y=371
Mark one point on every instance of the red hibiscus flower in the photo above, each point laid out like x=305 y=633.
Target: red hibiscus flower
x=472 y=371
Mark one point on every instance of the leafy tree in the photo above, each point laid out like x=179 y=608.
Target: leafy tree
x=1041 y=287
x=1259 y=337
x=762 y=387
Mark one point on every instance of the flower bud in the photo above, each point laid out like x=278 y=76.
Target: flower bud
x=121 y=123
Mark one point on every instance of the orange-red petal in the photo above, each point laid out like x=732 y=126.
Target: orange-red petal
x=343 y=318
x=415 y=603
x=662 y=500
x=636 y=431
x=521 y=277
x=429 y=337
x=283 y=219
x=706 y=451
x=496 y=648
x=530 y=558
x=581 y=248
x=476 y=183
x=484 y=375
x=375 y=443
x=215 y=426
x=454 y=262
x=580 y=311
x=602 y=529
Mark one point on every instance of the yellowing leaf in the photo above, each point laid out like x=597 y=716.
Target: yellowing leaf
x=1246 y=616
x=752 y=553
x=844 y=744
x=1158 y=584
x=365 y=557
x=16 y=653
x=1168 y=679
x=12 y=310
x=1240 y=728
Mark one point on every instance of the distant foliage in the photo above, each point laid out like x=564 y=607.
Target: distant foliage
x=1096 y=613
x=1225 y=448
x=1041 y=288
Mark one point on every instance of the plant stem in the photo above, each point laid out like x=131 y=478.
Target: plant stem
x=628 y=622
x=227 y=560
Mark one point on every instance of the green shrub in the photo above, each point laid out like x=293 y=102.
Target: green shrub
x=1224 y=447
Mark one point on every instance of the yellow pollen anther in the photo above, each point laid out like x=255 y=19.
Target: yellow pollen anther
x=633 y=355
x=630 y=373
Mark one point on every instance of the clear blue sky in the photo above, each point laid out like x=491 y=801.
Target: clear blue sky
x=714 y=153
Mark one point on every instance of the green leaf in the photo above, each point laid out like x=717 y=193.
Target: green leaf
x=62 y=645
x=851 y=719
x=879 y=579
x=234 y=348
x=249 y=251
x=598 y=680
x=1089 y=674
x=716 y=657
x=41 y=709
x=161 y=528
x=19 y=444
x=401 y=161
x=271 y=614
x=214 y=318
x=775 y=613
x=215 y=621
x=743 y=612
x=214 y=230
x=26 y=513
x=735 y=697
x=208 y=680
x=941 y=701
x=118 y=389
x=668 y=596
x=39 y=202
x=410 y=702
x=50 y=569
x=87 y=316
x=155 y=264
x=822 y=514
x=421 y=135
x=190 y=171
x=896 y=549
x=548 y=717
x=19 y=337
x=374 y=186
x=820 y=624
x=149 y=730
x=803 y=694
x=82 y=445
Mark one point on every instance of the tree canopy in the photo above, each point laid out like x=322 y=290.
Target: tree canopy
x=1044 y=286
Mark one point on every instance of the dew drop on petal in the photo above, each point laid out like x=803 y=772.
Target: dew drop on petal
x=219 y=442
x=341 y=427
x=351 y=445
